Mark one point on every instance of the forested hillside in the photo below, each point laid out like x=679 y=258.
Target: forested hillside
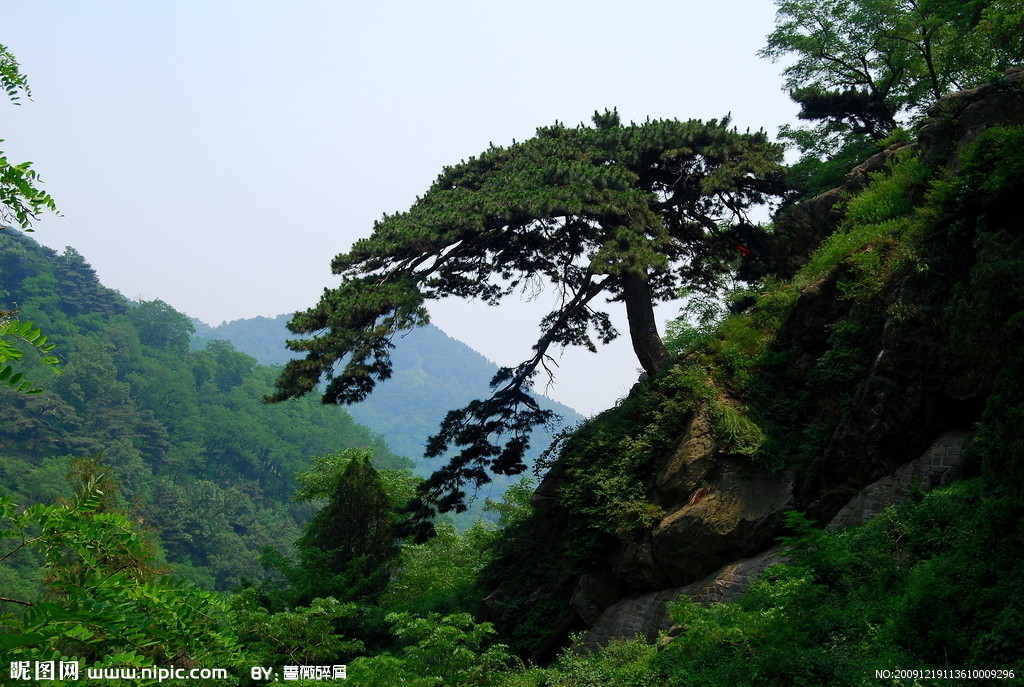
x=199 y=458
x=432 y=374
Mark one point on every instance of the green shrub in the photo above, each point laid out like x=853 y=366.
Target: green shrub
x=877 y=226
x=436 y=651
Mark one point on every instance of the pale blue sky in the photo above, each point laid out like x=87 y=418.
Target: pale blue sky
x=218 y=154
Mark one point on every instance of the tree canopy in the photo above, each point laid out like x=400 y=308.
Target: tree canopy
x=861 y=64
x=631 y=212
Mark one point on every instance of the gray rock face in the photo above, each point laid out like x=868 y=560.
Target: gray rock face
x=689 y=465
x=954 y=122
x=648 y=614
x=741 y=514
x=917 y=387
x=937 y=466
x=732 y=510
x=594 y=593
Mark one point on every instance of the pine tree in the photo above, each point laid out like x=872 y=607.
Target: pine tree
x=628 y=212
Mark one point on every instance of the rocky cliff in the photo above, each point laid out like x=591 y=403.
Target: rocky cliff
x=851 y=382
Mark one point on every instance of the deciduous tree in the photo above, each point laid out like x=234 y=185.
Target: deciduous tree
x=861 y=65
x=20 y=200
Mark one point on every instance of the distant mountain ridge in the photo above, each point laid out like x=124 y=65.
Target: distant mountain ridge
x=433 y=373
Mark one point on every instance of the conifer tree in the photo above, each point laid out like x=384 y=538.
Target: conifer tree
x=349 y=543
x=631 y=213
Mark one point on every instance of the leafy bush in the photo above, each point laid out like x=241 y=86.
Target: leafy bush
x=623 y=663
x=877 y=224
x=308 y=635
x=436 y=651
x=441 y=574
x=106 y=605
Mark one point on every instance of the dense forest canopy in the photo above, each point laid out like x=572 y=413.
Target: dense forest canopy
x=209 y=465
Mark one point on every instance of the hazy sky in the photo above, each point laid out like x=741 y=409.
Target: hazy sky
x=218 y=154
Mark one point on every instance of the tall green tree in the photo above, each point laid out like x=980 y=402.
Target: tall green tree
x=861 y=65
x=350 y=542
x=630 y=213
x=161 y=326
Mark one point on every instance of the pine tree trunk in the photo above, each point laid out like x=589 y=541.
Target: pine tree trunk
x=643 y=329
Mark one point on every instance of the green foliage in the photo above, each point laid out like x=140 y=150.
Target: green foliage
x=824 y=167
x=978 y=222
x=742 y=435
x=1002 y=25
x=875 y=244
x=514 y=506
x=431 y=373
x=933 y=582
x=199 y=456
x=12 y=330
x=106 y=605
x=930 y=584
x=12 y=80
x=536 y=561
x=349 y=544
x=440 y=575
x=860 y=66
x=604 y=464
x=878 y=225
x=623 y=663
x=699 y=319
x=328 y=471
x=910 y=224
x=450 y=650
x=20 y=200
x=308 y=635
x=161 y=326
x=767 y=638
